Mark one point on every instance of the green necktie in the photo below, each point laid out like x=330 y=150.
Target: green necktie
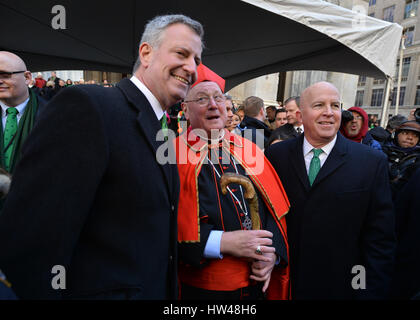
x=315 y=165
x=164 y=125
x=9 y=132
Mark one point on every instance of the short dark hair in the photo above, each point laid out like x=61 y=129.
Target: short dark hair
x=274 y=108
x=280 y=110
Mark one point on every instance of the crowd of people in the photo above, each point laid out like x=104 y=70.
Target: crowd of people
x=49 y=88
x=161 y=188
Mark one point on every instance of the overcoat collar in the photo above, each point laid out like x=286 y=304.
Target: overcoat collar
x=148 y=124
x=333 y=162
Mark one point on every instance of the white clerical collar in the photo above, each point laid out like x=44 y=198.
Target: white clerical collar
x=20 y=107
x=157 y=108
x=307 y=147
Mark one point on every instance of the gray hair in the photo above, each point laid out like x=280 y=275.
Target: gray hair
x=294 y=98
x=155 y=28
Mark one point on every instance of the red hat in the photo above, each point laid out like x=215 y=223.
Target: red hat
x=205 y=74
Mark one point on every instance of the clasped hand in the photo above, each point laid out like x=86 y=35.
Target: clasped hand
x=243 y=244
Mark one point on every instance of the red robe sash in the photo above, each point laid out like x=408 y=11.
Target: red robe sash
x=190 y=153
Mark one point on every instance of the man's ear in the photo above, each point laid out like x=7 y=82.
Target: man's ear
x=145 y=54
x=185 y=109
x=28 y=77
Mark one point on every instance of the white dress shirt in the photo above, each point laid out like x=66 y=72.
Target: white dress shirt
x=308 y=154
x=157 y=108
x=20 y=108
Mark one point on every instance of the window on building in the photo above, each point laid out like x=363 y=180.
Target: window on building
x=377 y=96
x=361 y=81
x=394 y=96
x=417 y=101
x=372 y=2
x=359 y=98
x=378 y=81
x=372 y=14
x=405 y=68
x=389 y=13
x=411 y=7
x=409 y=36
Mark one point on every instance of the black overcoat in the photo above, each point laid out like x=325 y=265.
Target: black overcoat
x=89 y=195
x=344 y=220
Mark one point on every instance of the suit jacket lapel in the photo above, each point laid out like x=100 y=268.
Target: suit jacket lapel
x=296 y=156
x=149 y=125
x=335 y=160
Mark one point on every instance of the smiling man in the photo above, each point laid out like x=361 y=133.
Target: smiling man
x=341 y=209
x=89 y=195
x=221 y=257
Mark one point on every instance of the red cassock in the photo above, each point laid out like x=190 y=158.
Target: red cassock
x=229 y=273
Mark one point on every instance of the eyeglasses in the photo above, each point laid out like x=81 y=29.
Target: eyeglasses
x=357 y=117
x=7 y=75
x=204 y=101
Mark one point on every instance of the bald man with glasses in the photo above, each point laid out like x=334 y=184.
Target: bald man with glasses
x=19 y=108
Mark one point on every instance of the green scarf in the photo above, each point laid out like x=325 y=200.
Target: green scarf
x=25 y=126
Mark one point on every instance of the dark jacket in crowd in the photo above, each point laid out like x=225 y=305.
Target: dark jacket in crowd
x=381 y=135
x=406 y=282
x=256 y=136
x=284 y=132
x=401 y=162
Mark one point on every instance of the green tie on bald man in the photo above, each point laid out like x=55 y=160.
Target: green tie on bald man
x=14 y=81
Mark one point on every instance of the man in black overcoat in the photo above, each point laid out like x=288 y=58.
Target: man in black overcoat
x=341 y=221
x=92 y=213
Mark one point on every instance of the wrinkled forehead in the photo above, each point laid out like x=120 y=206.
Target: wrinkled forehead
x=321 y=92
x=204 y=88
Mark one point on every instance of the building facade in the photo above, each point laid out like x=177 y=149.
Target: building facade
x=277 y=87
x=371 y=92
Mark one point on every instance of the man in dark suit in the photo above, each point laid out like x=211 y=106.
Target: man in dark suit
x=92 y=211
x=294 y=127
x=341 y=222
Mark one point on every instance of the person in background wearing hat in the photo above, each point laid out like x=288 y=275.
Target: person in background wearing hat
x=403 y=154
x=357 y=129
x=384 y=136
x=91 y=213
x=220 y=256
